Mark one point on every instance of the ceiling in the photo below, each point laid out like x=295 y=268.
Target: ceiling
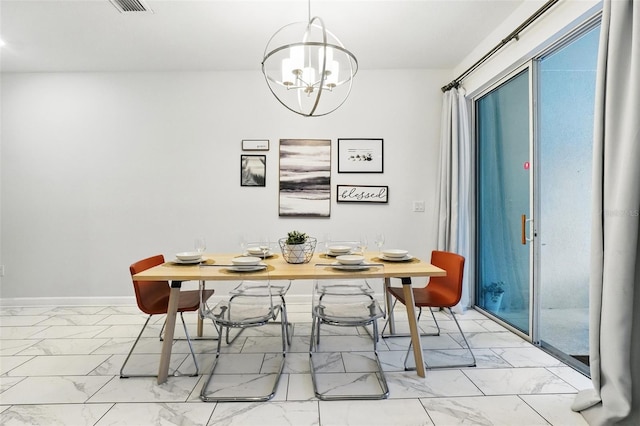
x=92 y=35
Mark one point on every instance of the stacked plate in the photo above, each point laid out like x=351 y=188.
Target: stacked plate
x=339 y=250
x=395 y=255
x=257 y=251
x=188 y=257
x=350 y=262
x=247 y=263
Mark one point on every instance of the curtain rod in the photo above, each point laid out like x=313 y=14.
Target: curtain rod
x=515 y=34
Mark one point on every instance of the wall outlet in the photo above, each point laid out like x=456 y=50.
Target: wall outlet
x=418 y=206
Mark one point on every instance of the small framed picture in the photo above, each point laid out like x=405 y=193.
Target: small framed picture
x=360 y=156
x=362 y=194
x=255 y=145
x=253 y=170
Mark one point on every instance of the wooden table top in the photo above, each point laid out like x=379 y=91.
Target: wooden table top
x=278 y=268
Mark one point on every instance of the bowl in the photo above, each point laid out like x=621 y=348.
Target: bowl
x=186 y=256
x=254 y=250
x=339 y=249
x=350 y=259
x=245 y=260
x=395 y=253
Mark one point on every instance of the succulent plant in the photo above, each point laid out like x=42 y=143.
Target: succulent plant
x=296 y=237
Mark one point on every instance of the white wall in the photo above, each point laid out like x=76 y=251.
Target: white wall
x=102 y=169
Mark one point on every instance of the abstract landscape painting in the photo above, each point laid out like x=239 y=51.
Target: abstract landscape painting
x=305 y=177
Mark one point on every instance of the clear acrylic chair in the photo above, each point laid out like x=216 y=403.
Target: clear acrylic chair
x=346 y=301
x=251 y=304
x=275 y=288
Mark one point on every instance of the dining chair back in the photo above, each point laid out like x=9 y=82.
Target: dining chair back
x=152 y=298
x=440 y=292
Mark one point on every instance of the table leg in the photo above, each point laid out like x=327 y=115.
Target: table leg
x=413 y=325
x=200 y=320
x=388 y=301
x=172 y=311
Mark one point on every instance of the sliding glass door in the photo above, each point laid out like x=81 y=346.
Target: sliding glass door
x=534 y=133
x=566 y=104
x=503 y=119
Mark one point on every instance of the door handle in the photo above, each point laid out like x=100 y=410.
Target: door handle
x=524 y=229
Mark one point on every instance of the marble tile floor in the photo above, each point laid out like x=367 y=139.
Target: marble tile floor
x=60 y=366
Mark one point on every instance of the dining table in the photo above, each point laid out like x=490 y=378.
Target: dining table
x=214 y=267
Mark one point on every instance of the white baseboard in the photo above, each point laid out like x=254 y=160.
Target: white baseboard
x=293 y=299
x=68 y=301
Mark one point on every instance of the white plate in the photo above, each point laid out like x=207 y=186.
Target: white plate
x=189 y=256
x=338 y=250
x=246 y=260
x=338 y=265
x=269 y=254
x=396 y=259
x=246 y=268
x=350 y=259
x=189 y=262
x=395 y=253
x=331 y=254
x=254 y=251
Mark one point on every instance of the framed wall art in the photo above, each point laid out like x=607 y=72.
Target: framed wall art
x=253 y=170
x=305 y=177
x=360 y=156
x=255 y=145
x=362 y=194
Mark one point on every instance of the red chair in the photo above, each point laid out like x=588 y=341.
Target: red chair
x=440 y=292
x=153 y=299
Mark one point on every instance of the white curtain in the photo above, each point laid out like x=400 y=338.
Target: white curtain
x=615 y=274
x=454 y=182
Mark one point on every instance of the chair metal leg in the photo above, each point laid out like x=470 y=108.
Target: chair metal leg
x=204 y=396
x=464 y=364
x=193 y=355
x=285 y=319
x=437 y=333
x=199 y=331
x=125 y=376
x=314 y=342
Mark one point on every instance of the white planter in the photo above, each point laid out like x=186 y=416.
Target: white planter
x=492 y=302
x=298 y=253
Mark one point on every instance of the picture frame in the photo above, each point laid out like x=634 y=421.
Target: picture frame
x=253 y=170
x=305 y=178
x=360 y=155
x=377 y=194
x=255 y=144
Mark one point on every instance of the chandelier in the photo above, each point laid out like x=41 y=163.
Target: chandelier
x=308 y=69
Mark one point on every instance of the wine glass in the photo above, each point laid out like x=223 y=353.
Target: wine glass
x=327 y=243
x=264 y=246
x=379 y=241
x=200 y=244
x=242 y=240
x=364 y=242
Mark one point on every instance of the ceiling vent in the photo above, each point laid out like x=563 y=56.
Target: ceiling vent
x=126 y=6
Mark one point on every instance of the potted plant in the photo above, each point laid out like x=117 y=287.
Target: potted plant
x=297 y=247
x=493 y=295
x=296 y=237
